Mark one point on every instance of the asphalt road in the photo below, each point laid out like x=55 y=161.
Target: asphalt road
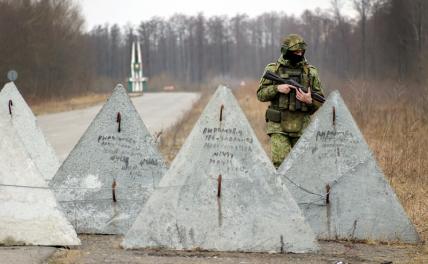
x=158 y=111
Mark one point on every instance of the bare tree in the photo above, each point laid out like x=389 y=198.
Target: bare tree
x=44 y=41
x=363 y=8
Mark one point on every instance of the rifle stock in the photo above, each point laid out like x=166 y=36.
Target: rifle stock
x=275 y=78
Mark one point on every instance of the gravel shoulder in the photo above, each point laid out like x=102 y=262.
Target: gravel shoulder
x=106 y=249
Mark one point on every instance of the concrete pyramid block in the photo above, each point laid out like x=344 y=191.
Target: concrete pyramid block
x=111 y=171
x=334 y=177
x=220 y=193
x=31 y=135
x=29 y=213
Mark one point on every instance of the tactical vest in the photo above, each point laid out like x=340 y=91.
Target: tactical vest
x=289 y=101
x=285 y=108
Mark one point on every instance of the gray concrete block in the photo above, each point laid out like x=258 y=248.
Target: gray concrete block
x=29 y=213
x=109 y=174
x=333 y=175
x=28 y=130
x=221 y=194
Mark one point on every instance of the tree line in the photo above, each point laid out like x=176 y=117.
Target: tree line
x=45 y=42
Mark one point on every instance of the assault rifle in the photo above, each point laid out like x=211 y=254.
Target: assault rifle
x=275 y=78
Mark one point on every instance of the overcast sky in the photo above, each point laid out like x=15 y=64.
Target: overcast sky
x=134 y=11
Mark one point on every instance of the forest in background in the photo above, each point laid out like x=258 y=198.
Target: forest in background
x=45 y=42
x=377 y=60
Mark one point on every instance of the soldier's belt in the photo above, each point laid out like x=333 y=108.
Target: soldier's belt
x=291 y=121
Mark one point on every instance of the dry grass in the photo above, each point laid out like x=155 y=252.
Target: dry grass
x=394 y=124
x=60 y=105
x=173 y=138
x=392 y=121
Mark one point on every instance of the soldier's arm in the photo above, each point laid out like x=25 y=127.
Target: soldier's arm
x=267 y=89
x=316 y=86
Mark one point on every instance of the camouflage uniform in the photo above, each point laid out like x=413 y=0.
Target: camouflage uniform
x=286 y=116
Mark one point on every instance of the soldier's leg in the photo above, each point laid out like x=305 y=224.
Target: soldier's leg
x=280 y=147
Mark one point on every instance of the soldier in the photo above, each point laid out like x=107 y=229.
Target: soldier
x=290 y=108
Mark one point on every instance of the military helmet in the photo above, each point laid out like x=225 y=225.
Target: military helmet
x=293 y=42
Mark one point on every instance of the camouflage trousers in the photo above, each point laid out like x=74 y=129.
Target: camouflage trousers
x=280 y=147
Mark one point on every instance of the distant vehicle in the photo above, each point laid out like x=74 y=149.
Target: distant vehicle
x=169 y=88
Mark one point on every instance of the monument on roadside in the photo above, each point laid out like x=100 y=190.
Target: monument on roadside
x=220 y=193
x=137 y=83
x=333 y=175
x=111 y=172
x=29 y=213
x=25 y=124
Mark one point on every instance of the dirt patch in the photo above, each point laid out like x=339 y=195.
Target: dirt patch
x=106 y=249
x=25 y=254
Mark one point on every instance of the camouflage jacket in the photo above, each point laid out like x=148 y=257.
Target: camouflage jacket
x=268 y=91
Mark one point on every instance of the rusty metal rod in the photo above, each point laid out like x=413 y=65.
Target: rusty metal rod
x=118 y=120
x=113 y=187
x=327 y=197
x=334 y=116
x=219 y=186
x=10 y=107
